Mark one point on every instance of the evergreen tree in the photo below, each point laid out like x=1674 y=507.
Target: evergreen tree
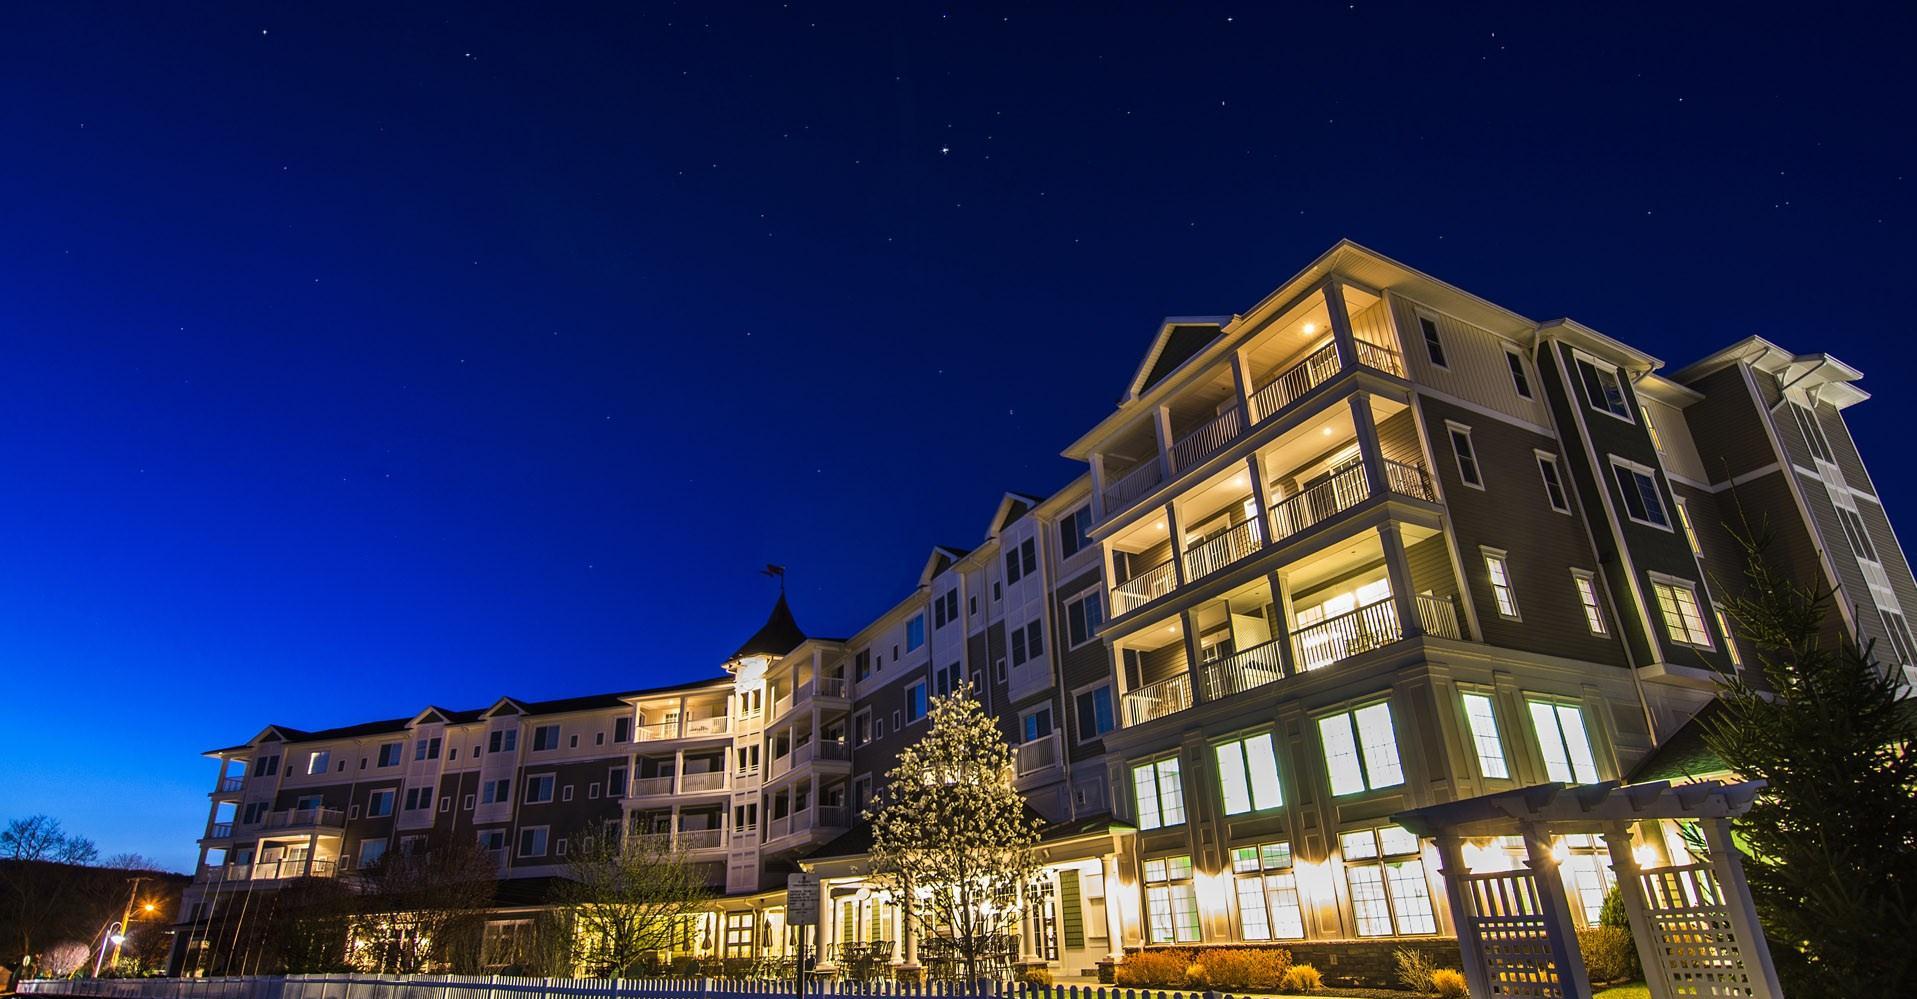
x=951 y=835
x=1833 y=837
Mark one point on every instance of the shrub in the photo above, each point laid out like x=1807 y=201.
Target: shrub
x=1612 y=913
x=1035 y=976
x=1252 y=969
x=1449 y=983
x=1609 y=954
x=1414 y=969
x=1302 y=978
x=1162 y=969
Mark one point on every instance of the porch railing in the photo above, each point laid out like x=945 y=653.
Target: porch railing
x=1345 y=489
x=1314 y=370
x=1039 y=754
x=1242 y=671
x=228 y=785
x=1382 y=358
x=1207 y=440
x=1153 y=701
x=649 y=787
x=683 y=728
x=833 y=817
x=287 y=818
x=1133 y=484
x=833 y=749
x=219 y=830
x=831 y=686
x=1372 y=626
x=709 y=780
x=1144 y=588
x=1227 y=547
x=1409 y=479
x=1438 y=616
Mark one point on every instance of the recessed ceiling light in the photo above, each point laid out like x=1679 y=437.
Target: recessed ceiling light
x=1311 y=328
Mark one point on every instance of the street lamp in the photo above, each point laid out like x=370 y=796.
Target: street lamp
x=116 y=935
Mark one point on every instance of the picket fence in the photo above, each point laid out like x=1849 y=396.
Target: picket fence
x=504 y=987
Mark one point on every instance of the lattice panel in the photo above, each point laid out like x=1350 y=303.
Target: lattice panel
x=1508 y=916
x=1697 y=950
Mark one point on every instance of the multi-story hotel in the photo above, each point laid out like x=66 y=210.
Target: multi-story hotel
x=1374 y=544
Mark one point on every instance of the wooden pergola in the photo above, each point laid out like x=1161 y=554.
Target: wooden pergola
x=1695 y=927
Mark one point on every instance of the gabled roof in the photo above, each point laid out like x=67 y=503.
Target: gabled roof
x=1821 y=377
x=1179 y=339
x=779 y=635
x=1011 y=506
x=504 y=706
x=941 y=559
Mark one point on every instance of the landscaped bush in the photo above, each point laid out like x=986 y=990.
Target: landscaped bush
x=1253 y=969
x=1414 y=969
x=1609 y=954
x=1449 y=983
x=1158 y=969
x=1039 y=977
x=1301 y=978
x=1612 y=912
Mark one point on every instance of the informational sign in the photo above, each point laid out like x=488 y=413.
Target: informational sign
x=802 y=900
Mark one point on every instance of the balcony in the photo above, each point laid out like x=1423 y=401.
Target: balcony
x=1144 y=588
x=228 y=785
x=1127 y=488
x=683 y=728
x=650 y=787
x=269 y=870
x=305 y=818
x=701 y=783
x=688 y=840
x=1157 y=700
x=1038 y=756
x=1363 y=629
x=1242 y=671
x=1223 y=549
x=1208 y=439
x=219 y=830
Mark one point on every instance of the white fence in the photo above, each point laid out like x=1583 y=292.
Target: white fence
x=503 y=987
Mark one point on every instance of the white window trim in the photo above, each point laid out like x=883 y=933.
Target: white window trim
x=1503 y=558
x=1596 y=627
x=926 y=686
x=1616 y=372
x=519 y=848
x=1697 y=603
x=1615 y=462
x=1086 y=689
x=1349 y=713
x=526 y=785
x=1497 y=731
x=1029 y=712
x=1564 y=487
x=1437 y=330
x=1092 y=592
x=1452 y=427
x=1518 y=355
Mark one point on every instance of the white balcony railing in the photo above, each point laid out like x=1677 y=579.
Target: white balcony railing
x=1120 y=493
x=228 y=785
x=1345 y=489
x=1038 y=755
x=1144 y=588
x=696 y=783
x=1314 y=370
x=683 y=728
x=1214 y=436
x=1439 y=617
x=1409 y=479
x=833 y=686
x=1223 y=549
x=1354 y=632
x=1153 y=701
x=1242 y=671
x=301 y=818
x=1384 y=359
x=649 y=787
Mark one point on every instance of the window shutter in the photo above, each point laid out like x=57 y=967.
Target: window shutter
x=1071 y=914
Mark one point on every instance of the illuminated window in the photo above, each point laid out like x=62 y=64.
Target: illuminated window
x=1677 y=600
x=1563 y=742
x=1500 y=573
x=1586 y=585
x=1361 y=750
x=318 y=762
x=1160 y=792
x=1730 y=644
x=1171 y=902
x=1483 y=719
x=915 y=705
x=1657 y=440
x=1389 y=892
x=1690 y=533
x=1268 y=906
x=1248 y=775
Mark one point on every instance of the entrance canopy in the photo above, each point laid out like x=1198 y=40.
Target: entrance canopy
x=1694 y=925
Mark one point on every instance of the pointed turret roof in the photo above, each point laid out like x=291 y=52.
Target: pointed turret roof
x=779 y=636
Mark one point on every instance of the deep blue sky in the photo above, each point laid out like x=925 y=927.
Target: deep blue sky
x=360 y=358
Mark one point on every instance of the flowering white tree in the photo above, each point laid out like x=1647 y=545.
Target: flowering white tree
x=951 y=835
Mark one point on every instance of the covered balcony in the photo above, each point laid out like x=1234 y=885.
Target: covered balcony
x=1309 y=475
x=792 y=748
x=685 y=773
x=1269 y=375
x=690 y=829
x=794 y=812
x=674 y=719
x=1332 y=605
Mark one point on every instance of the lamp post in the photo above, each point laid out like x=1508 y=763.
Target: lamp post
x=116 y=935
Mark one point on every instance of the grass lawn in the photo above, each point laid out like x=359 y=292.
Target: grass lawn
x=1635 y=990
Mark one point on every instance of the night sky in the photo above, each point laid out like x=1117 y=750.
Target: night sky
x=359 y=358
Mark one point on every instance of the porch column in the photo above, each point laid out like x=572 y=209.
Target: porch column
x=828 y=928
x=1162 y=429
x=679 y=771
x=1114 y=916
x=1340 y=320
x=1398 y=570
x=1287 y=624
x=1370 y=453
x=1256 y=469
x=1555 y=909
x=1630 y=890
x=1194 y=670
x=312 y=852
x=1728 y=866
x=1470 y=947
x=908 y=934
x=1174 y=530
x=1241 y=381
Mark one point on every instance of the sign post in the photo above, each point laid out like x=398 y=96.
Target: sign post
x=801 y=911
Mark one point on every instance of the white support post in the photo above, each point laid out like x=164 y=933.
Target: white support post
x=1398 y=570
x=1728 y=866
x=1470 y=947
x=1162 y=430
x=1630 y=888
x=1559 y=931
x=1340 y=321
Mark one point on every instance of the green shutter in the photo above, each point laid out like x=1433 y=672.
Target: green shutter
x=1071 y=914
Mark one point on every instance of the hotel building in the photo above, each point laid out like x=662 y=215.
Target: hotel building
x=1373 y=544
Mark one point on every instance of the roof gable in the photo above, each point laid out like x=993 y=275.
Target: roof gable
x=1179 y=339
